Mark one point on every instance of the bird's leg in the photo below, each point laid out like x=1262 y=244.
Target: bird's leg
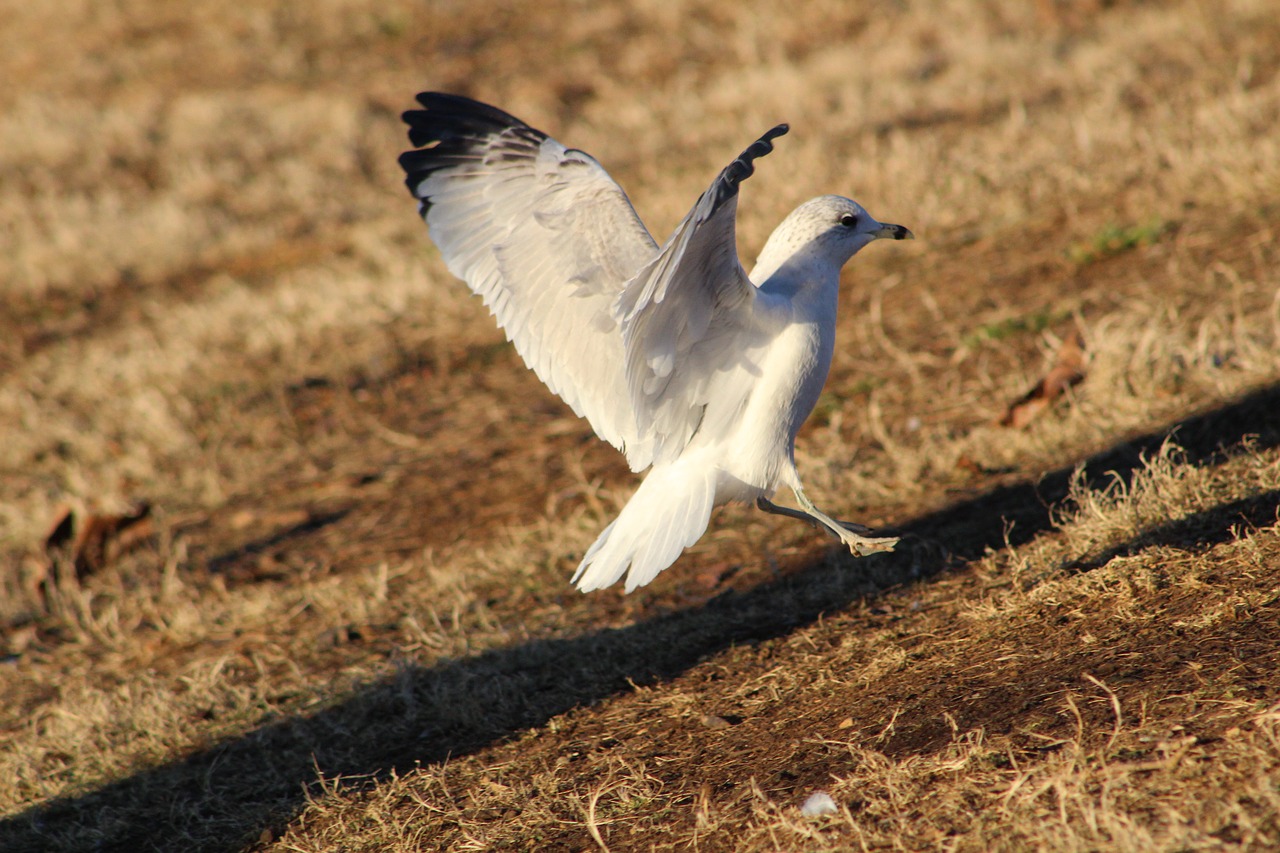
x=767 y=505
x=852 y=535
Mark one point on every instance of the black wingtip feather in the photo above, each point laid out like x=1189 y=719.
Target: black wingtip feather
x=744 y=166
x=449 y=130
x=726 y=184
x=460 y=105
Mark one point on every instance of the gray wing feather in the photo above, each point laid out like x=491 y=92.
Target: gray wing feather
x=546 y=238
x=682 y=304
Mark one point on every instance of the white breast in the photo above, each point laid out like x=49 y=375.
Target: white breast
x=765 y=398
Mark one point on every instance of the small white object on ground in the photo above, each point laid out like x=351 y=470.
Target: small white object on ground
x=819 y=803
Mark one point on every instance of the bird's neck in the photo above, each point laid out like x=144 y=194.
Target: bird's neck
x=775 y=254
x=800 y=276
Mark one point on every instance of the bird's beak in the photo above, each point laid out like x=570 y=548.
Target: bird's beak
x=893 y=232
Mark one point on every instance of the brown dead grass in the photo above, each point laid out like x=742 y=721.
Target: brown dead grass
x=353 y=628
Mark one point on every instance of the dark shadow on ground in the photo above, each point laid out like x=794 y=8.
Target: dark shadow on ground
x=260 y=780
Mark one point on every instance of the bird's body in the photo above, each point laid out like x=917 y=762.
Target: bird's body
x=674 y=354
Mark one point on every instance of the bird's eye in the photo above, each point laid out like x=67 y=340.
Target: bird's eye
x=849 y=220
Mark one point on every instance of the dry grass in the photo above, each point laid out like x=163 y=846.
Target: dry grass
x=352 y=628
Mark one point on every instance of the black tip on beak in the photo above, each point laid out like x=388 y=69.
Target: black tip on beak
x=895 y=232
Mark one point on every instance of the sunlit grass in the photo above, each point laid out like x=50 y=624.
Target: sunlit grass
x=354 y=628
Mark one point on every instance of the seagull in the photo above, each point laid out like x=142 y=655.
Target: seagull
x=693 y=368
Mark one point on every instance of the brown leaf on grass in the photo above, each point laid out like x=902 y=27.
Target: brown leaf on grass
x=60 y=534
x=1068 y=369
x=98 y=539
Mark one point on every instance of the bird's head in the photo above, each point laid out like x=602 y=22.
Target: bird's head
x=827 y=230
x=838 y=227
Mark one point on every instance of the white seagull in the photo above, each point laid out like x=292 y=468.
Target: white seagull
x=674 y=354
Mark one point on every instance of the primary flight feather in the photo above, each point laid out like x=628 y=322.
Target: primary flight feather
x=675 y=354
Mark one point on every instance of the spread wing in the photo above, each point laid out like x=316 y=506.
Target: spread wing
x=546 y=238
x=685 y=314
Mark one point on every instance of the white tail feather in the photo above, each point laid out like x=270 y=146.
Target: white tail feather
x=668 y=513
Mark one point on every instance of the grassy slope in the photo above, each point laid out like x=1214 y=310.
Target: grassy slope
x=354 y=627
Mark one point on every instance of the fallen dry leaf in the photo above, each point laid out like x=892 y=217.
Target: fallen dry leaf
x=99 y=539
x=63 y=529
x=1068 y=370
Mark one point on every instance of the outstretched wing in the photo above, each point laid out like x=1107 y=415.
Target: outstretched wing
x=545 y=237
x=683 y=313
